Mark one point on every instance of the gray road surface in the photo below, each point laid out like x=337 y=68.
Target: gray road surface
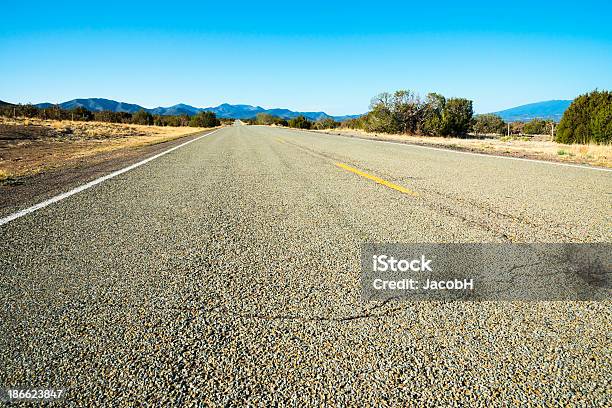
x=227 y=273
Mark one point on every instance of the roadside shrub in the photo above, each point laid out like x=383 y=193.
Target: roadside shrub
x=404 y=112
x=264 y=119
x=457 y=117
x=587 y=120
x=326 y=123
x=517 y=128
x=267 y=119
x=354 y=123
x=142 y=117
x=537 y=127
x=204 y=119
x=432 y=114
x=300 y=122
x=488 y=124
x=80 y=113
x=112 y=117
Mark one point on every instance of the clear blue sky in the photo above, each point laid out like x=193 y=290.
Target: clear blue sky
x=332 y=56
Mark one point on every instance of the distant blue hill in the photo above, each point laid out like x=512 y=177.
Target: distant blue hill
x=99 y=104
x=180 y=109
x=540 y=110
x=222 y=111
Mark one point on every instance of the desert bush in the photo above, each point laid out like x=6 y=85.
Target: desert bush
x=488 y=124
x=264 y=119
x=267 y=119
x=404 y=112
x=112 y=117
x=300 y=122
x=537 y=127
x=587 y=120
x=326 y=123
x=204 y=119
x=432 y=114
x=142 y=117
x=457 y=117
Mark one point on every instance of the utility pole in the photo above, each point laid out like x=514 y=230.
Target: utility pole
x=508 y=129
x=552 y=130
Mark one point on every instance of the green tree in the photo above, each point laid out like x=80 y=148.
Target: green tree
x=587 y=120
x=204 y=119
x=457 y=117
x=488 y=124
x=354 y=123
x=432 y=114
x=264 y=119
x=326 y=123
x=159 y=120
x=536 y=127
x=81 y=113
x=300 y=122
x=27 y=110
x=407 y=111
x=54 y=112
x=142 y=117
x=380 y=118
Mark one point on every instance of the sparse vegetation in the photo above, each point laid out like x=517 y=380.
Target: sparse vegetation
x=80 y=114
x=516 y=146
x=204 y=119
x=489 y=124
x=404 y=112
x=267 y=119
x=4 y=175
x=32 y=145
x=537 y=127
x=300 y=122
x=325 y=123
x=142 y=118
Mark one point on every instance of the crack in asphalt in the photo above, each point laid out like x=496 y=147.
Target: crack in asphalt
x=365 y=314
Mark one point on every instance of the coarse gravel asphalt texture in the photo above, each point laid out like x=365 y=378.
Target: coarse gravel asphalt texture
x=227 y=273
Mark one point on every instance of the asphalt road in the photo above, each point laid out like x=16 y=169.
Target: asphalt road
x=227 y=272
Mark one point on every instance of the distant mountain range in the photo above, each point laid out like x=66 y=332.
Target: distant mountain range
x=222 y=111
x=542 y=110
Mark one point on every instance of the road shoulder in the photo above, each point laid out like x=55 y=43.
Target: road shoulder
x=585 y=155
x=29 y=190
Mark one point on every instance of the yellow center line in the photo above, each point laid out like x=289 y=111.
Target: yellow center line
x=377 y=180
x=280 y=140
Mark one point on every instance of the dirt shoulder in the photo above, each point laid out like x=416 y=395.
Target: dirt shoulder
x=594 y=155
x=32 y=146
x=37 y=163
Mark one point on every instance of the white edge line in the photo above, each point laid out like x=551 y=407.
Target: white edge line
x=578 y=166
x=92 y=183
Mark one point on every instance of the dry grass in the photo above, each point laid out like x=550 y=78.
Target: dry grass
x=96 y=130
x=592 y=154
x=4 y=175
x=29 y=146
